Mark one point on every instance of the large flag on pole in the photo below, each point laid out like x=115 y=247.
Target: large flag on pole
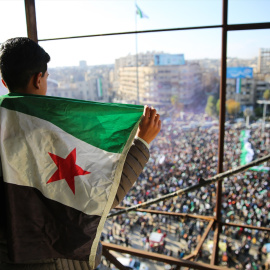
x=238 y=86
x=62 y=161
x=140 y=12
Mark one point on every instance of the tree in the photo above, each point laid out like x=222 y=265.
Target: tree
x=247 y=112
x=174 y=100
x=232 y=106
x=218 y=107
x=176 y=104
x=258 y=111
x=210 y=108
x=266 y=94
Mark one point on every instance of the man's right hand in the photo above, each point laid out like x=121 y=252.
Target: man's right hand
x=150 y=125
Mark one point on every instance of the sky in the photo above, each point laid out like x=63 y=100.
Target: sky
x=67 y=18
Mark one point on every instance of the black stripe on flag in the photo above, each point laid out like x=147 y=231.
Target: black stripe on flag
x=40 y=228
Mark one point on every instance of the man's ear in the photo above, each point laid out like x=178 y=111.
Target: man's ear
x=37 y=80
x=4 y=83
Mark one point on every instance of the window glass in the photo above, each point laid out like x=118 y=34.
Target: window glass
x=155 y=74
x=94 y=17
x=95 y=51
x=13 y=24
x=178 y=73
x=251 y=11
x=205 y=254
x=243 y=247
x=195 y=45
x=12 y=19
x=247 y=127
x=3 y=89
x=173 y=236
x=84 y=68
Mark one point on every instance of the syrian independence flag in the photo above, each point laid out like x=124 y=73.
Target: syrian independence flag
x=62 y=161
x=140 y=12
x=247 y=152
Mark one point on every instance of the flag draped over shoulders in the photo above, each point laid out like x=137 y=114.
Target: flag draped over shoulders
x=62 y=161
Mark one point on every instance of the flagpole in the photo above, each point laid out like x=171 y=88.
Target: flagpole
x=136 y=41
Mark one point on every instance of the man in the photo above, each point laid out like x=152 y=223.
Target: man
x=23 y=67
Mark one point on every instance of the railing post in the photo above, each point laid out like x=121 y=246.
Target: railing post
x=30 y=12
x=112 y=259
x=214 y=258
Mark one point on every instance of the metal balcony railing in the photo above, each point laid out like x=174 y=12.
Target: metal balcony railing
x=212 y=223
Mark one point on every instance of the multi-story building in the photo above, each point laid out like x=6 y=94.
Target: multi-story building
x=91 y=83
x=156 y=82
x=85 y=90
x=143 y=59
x=264 y=61
x=244 y=93
x=245 y=86
x=260 y=88
x=249 y=92
x=210 y=75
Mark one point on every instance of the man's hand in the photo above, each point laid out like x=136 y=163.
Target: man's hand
x=150 y=125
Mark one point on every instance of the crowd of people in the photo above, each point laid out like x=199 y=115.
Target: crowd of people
x=179 y=159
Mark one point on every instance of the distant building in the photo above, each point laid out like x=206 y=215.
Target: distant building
x=144 y=59
x=242 y=91
x=210 y=74
x=83 y=64
x=245 y=86
x=251 y=90
x=160 y=76
x=264 y=61
x=85 y=84
x=83 y=90
x=260 y=88
x=240 y=86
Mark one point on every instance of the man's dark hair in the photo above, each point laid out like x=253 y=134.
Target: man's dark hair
x=20 y=59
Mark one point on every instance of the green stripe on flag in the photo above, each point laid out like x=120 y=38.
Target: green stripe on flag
x=103 y=125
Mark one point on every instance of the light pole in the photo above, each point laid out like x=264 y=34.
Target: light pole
x=247 y=113
x=264 y=102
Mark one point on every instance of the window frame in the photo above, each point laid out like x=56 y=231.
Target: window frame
x=225 y=27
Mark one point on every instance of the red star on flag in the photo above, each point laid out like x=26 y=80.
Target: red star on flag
x=67 y=169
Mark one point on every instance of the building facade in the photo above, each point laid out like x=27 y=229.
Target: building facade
x=152 y=83
x=264 y=61
x=87 y=83
x=242 y=91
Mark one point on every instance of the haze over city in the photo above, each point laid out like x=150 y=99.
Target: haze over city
x=89 y=17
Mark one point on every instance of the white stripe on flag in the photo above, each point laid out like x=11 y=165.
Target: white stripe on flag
x=25 y=144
